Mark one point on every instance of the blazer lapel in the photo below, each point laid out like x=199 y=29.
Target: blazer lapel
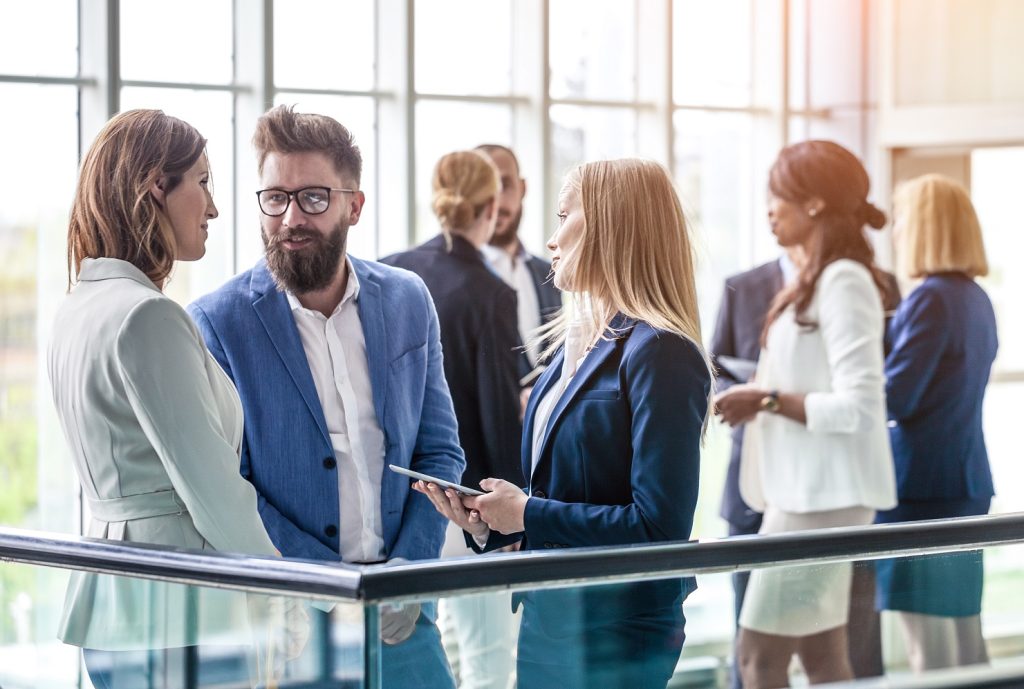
x=272 y=308
x=550 y=376
x=370 y=305
x=591 y=363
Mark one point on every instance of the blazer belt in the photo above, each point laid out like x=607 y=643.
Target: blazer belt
x=142 y=506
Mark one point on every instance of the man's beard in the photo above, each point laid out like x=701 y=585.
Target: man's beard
x=510 y=234
x=311 y=268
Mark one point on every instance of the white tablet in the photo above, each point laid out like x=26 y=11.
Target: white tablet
x=436 y=481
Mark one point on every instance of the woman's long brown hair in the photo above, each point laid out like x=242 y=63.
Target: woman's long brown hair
x=827 y=171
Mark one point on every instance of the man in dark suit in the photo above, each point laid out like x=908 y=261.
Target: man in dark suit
x=745 y=303
x=528 y=275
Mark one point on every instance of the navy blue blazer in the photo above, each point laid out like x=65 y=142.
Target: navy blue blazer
x=286 y=450
x=745 y=303
x=619 y=463
x=943 y=342
x=480 y=342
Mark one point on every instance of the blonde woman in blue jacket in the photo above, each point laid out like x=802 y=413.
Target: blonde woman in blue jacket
x=942 y=343
x=153 y=423
x=611 y=435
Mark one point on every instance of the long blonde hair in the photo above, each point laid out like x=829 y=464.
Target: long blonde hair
x=634 y=255
x=940 y=231
x=114 y=215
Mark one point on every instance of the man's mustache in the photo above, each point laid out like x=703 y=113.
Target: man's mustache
x=292 y=235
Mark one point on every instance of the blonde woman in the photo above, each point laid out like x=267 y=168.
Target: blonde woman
x=480 y=339
x=153 y=422
x=943 y=342
x=611 y=443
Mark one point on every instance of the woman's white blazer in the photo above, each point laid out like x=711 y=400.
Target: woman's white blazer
x=154 y=428
x=841 y=457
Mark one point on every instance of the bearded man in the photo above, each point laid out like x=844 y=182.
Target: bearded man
x=337 y=362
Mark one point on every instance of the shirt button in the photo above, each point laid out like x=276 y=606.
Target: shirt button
x=539 y=494
x=331 y=530
x=330 y=463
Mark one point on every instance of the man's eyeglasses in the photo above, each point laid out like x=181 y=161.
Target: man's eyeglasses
x=312 y=200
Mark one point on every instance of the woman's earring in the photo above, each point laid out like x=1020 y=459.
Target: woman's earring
x=812 y=212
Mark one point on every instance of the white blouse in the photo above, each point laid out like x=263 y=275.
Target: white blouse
x=841 y=457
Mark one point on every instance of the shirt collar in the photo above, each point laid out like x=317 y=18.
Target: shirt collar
x=351 y=291
x=789 y=271
x=96 y=269
x=495 y=254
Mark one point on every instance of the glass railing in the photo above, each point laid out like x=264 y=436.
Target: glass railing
x=154 y=618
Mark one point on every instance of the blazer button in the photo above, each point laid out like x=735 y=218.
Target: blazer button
x=331 y=530
x=540 y=494
x=330 y=463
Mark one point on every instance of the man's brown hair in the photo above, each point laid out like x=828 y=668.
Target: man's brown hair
x=282 y=130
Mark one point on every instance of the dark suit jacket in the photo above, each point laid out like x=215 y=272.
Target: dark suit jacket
x=549 y=298
x=744 y=306
x=479 y=339
x=619 y=464
x=286 y=450
x=943 y=340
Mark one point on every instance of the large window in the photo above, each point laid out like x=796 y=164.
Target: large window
x=711 y=90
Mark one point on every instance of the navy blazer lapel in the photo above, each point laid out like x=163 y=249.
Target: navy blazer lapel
x=370 y=305
x=601 y=351
x=271 y=306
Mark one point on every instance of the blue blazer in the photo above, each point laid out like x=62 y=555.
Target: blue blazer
x=286 y=451
x=943 y=342
x=619 y=464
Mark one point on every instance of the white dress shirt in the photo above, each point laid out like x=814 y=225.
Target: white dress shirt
x=841 y=458
x=516 y=274
x=336 y=352
x=575 y=353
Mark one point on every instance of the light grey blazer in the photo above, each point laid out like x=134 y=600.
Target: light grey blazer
x=154 y=426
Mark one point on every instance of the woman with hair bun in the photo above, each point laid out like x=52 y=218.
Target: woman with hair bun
x=816 y=450
x=480 y=340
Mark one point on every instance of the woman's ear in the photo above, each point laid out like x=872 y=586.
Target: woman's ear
x=814 y=206
x=157 y=190
x=491 y=209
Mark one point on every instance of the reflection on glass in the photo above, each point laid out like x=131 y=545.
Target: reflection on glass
x=211 y=113
x=39 y=38
x=324 y=44
x=192 y=43
x=357 y=114
x=437 y=134
x=582 y=63
x=718 y=34
x=464 y=47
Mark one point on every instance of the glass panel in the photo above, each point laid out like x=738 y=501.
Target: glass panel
x=37 y=487
x=192 y=43
x=464 y=47
x=993 y=172
x=359 y=117
x=583 y=65
x=435 y=136
x=141 y=634
x=211 y=113
x=621 y=634
x=324 y=44
x=716 y=34
x=39 y=38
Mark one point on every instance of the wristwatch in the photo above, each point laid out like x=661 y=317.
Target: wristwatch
x=770 y=402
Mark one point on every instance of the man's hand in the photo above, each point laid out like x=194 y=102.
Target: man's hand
x=398 y=621
x=502 y=509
